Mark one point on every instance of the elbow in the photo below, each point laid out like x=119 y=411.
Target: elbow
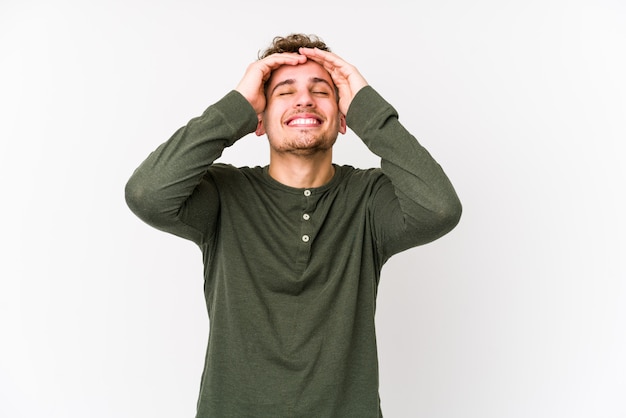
x=138 y=198
x=134 y=195
x=453 y=210
x=149 y=202
x=449 y=215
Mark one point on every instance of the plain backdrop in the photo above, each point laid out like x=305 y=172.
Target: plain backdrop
x=520 y=312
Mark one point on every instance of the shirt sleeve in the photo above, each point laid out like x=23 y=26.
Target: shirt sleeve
x=415 y=202
x=171 y=189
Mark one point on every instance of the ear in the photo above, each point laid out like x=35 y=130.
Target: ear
x=260 y=129
x=342 y=124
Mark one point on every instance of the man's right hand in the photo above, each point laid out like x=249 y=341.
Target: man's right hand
x=252 y=84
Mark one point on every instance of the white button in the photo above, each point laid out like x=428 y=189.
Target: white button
x=305 y=238
x=306 y=217
x=307 y=193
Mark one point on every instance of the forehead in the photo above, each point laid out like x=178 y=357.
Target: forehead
x=299 y=73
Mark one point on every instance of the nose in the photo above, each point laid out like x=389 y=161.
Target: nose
x=304 y=99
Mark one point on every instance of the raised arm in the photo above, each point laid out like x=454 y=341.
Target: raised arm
x=418 y=203
x=169 y=189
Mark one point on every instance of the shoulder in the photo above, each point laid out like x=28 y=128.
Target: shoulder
x=359 y=175
x=227 y=173
x=362 y=180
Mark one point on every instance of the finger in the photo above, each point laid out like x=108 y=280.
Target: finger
x=268 y=64
x=327 y=59
x=286 y=58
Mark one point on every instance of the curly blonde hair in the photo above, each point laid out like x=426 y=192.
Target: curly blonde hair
x=292 y=43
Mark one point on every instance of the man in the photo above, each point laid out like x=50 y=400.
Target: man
x=293 y=251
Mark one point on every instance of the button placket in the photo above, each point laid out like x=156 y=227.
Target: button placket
x=306 y=225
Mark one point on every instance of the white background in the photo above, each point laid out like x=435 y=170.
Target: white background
x=518 y=312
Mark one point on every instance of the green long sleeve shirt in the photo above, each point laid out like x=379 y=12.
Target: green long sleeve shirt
x=291 y=275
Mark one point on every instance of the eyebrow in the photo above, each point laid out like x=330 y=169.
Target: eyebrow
x=290 y=81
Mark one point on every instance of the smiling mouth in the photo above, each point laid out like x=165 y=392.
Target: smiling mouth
x=304 y=122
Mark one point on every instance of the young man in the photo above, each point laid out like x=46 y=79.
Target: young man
x=293 y=251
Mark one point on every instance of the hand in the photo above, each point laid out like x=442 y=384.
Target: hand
x=345 y=76
x=251 y=85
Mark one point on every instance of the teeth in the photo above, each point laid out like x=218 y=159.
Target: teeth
x=304 y=121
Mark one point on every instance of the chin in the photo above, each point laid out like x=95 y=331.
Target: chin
x=305 y=146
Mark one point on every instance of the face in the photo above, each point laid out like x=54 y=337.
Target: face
x=301 y=115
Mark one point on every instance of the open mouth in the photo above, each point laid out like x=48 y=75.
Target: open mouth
x=304 y=121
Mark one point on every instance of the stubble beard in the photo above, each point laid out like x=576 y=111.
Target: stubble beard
x=305 y=145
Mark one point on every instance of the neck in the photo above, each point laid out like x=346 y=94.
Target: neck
x=302 y=171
